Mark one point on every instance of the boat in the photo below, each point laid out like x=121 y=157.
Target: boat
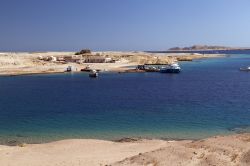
x=86 y=69
x=245 y=69
x=93 y=74
x=171 y=68
x=69 y=69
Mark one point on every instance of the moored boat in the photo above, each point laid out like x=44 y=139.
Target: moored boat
x=86 y=69
x=172 y=68
x=69 y=69
x=245 y=69
x=93 y=74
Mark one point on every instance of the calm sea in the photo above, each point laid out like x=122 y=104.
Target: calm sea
x=208 y=97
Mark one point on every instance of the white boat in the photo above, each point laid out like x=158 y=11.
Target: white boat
x=93 y=74
x=172 y=68
x=245 y=69
x=69 y=69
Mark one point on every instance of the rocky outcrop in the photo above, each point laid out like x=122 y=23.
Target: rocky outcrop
x=200 y=47
x=84 y=51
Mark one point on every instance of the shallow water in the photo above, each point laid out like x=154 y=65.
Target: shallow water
x=208 y=97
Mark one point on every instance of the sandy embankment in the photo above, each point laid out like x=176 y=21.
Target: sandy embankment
x=28 y=63
x=219 y=151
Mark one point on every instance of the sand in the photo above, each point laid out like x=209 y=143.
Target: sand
x=219 y=151
x=74 y=152
x=29 y=63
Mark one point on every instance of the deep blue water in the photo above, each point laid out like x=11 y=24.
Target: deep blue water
x=208 y=97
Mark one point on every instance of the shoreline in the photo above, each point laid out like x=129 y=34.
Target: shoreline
x=14 y=64
x=217 y=150
x=30 y=74
x=18 y=142
x=118 y=71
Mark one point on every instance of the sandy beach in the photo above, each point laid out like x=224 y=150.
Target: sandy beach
x=219 y=151
x=29 y=63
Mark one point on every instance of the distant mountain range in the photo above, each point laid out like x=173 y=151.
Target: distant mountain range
x=204 y=47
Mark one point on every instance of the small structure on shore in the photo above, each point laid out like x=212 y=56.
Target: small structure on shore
x=61 y=59
x=53 y=59
x=48 y=58
x=97 y=59
x=72 y=59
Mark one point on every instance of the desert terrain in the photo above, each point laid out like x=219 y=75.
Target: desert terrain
x=220 y=151
x=50 y=62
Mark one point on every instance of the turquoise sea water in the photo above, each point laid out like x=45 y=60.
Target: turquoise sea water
x=209 y=97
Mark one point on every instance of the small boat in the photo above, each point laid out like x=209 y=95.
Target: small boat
x=172 y=68
x=245 y=69
x=69 y=69
x=93 y=74
x=86 y=69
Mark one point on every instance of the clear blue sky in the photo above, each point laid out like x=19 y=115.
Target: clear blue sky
x=50 y=25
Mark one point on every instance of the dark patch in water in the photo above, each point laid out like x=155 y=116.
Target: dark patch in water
x=21 y=136
x=127 y=139
x=240 y=129
x=13 y=143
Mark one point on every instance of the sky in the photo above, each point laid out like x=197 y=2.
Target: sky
x=122 y=25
